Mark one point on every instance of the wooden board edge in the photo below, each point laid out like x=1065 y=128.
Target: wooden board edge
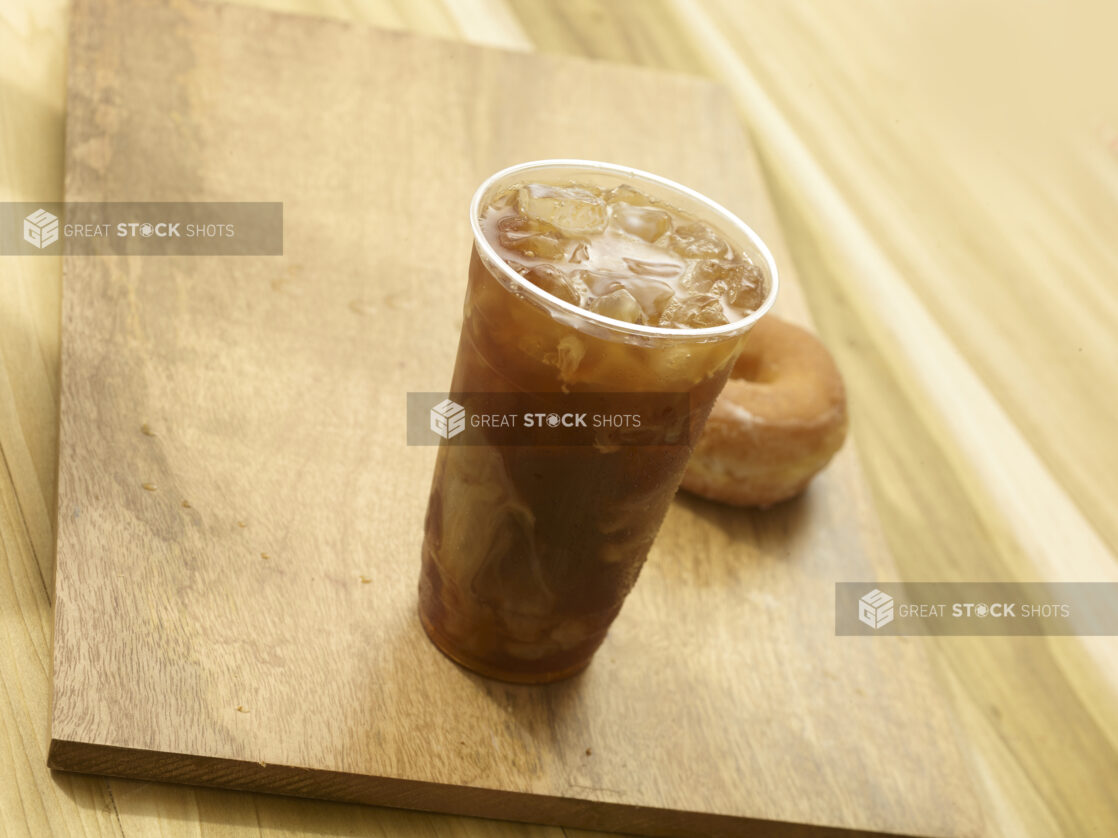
x=230 y=774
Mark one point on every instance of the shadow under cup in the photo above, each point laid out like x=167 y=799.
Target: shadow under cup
x=530 y=550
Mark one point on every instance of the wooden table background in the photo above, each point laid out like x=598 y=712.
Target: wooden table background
x=947 y=178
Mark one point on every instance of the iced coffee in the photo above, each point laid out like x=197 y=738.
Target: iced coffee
x=584 y=278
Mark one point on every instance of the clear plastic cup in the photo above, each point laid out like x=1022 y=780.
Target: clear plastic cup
x=530 y=551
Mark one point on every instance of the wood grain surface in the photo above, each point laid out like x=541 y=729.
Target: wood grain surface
x=240 y=519
x=961 y=157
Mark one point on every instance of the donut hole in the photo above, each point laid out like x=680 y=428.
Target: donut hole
x=747 y=367
x=754 y=367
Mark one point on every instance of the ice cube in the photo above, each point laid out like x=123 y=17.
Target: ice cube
x=719 y=276
x=619 y=304
x=652 y=294
x=580 y=254
x=602 y=281
x=705 y=277
x=502 y=201
x=570 y=209
x=552 y=280
x=645 y=267
x=698 y=241
x=625 y=194
x=698 y=311
x=578 y=288
x=748 y=300
x=646 y=223
x=750 y=296
x=740 y=284
x=524 y=236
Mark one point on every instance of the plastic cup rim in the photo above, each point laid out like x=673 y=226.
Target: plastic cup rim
x=490 y=256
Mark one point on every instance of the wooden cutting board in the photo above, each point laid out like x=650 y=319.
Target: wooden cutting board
x=248 y=619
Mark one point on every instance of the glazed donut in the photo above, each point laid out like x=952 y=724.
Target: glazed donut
x=779 y=420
